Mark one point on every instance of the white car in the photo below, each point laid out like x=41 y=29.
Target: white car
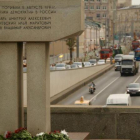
x=68 y=66
x=52 y=68
x=60 y=66
x=131 y=53
x=101 y=61
x=118 y=99
x=93 y=62
x=79 y=64
x=74 y=66
x=108 y=60
x=87 y=64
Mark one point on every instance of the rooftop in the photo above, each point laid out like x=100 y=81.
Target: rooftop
x=130 y=7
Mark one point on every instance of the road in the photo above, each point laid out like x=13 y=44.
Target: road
x=109 y=83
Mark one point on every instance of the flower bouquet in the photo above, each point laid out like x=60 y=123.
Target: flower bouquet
x=23 y=134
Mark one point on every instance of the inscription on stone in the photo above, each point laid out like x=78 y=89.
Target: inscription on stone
x=22 y=22
x=39 y=20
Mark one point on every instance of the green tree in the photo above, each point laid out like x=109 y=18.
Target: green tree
x=71 y=42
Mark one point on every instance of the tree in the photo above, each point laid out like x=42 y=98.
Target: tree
x=71 y=44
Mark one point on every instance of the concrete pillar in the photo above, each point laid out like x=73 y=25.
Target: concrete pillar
x=38 y=88
x=11 y=108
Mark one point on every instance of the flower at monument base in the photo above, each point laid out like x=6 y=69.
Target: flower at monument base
x=40 y=134
x=64 y=132
x=54 y=132
x=8 y=134
x=19 y=130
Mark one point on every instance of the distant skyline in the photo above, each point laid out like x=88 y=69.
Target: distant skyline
x=135 y=2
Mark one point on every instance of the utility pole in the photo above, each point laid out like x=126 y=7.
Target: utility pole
x=105 y=32
x=114 y=19
x=77 y=46
x=119 y=32
x=132 y=27
x=96 y=36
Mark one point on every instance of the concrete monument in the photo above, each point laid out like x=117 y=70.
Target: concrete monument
x=36 y=22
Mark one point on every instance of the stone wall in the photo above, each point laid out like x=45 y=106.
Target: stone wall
x=102 y=123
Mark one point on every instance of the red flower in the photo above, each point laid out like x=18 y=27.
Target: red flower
x=8 y=135
x=56 y=131
x=19 y=130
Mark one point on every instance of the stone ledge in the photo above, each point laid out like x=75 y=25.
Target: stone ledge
x=78 y=135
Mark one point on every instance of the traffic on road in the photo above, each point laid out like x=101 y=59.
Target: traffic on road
x=116 y=87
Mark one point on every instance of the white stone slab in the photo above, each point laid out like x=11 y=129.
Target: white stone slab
x=40 y=20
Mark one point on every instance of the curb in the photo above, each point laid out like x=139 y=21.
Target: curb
x=57 y=98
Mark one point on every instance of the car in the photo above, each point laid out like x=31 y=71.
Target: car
x=118 y=100
x=87 y=64
x=131 y=53
x=79 y=64
x=93 y=62
x=68 y=66
x=74 y=66
x=108 y=60
x=52 y=68
x=60 y=66
x=118 y=57
x=101 y=61
x=117 y=66
x=133 y=89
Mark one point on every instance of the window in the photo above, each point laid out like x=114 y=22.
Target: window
x=90 y=18
x=86 y=0
x=86 y=7
x=91 y=7
x=98 y=15
x=127 y=62
x=98 y=7
x=104 y=1
x=91 y=0
x=104 y=7
x=104 y=15
x=98 y=0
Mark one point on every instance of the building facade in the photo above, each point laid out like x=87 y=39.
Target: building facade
x=128 y=20
x=97 y=10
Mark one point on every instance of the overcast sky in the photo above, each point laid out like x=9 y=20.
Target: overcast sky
x=135 y=2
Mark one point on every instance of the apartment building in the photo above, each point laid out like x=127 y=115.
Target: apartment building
x=128 y=20
x=97 y=10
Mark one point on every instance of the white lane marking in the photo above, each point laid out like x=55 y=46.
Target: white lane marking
x=103 y=89
x=134 y=82
x=136 y=79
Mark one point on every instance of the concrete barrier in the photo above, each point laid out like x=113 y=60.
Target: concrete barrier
x=63 y=81
x=102 y=123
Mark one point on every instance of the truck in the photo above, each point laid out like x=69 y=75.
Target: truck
x=118 y=100
x=135 y=42
x=129 y=65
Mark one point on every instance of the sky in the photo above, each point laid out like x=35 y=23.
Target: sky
x=135 y=2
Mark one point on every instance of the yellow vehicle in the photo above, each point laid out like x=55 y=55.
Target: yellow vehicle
x=82 y=101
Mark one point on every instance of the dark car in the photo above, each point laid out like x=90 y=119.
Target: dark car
x=133 y=89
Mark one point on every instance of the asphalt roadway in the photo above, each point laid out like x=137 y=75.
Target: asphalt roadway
x=109 y=83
